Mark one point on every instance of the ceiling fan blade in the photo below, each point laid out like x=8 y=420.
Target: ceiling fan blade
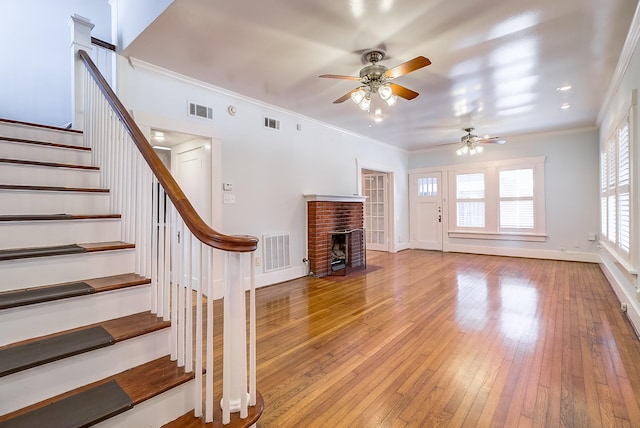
x=407 y=67
x=492 y=140
x=339 y=76
x=345 y=97
x=403 y=92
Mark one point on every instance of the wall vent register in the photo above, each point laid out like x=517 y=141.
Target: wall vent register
x=198 y=110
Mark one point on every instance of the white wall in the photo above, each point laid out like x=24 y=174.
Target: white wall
x=270 y=170
x=34 y=43
x=624 y=282
x=571 y=192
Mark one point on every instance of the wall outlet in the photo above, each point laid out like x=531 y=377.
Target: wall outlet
x=258 y=261
x=229 y=199
x=576 y=244
x=623 y=307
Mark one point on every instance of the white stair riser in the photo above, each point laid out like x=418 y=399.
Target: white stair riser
x=53 y=202
x=40 y=134
x=26 y=234
x=157 y=411
x=24 y=273
x=39 y=383
x=32 y=175
x=51 y=317
x=40 y=153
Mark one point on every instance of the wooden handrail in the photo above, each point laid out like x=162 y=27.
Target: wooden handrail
x=194 y=222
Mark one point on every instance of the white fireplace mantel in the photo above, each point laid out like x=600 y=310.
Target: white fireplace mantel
x=333 y=198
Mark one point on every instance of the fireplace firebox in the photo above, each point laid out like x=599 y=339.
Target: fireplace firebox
x=347 y=251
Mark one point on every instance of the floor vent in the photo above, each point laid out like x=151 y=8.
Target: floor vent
x=276 y=252
x=198 y=110
x=271 y=123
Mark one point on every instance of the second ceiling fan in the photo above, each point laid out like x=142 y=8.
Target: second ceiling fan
x=376 y=78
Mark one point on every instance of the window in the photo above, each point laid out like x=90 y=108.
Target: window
x=516 y=199
x=470 y=200
x=502 y=200
x=615 y=200
x=428 y=186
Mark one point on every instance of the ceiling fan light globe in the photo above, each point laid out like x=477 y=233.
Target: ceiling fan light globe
x=358 y=96
x=365 y=103
x=479 y=149
x=385 y=92
x=459 y=152
x=391 y=100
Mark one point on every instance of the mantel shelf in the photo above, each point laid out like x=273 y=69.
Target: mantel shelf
x=334 y=198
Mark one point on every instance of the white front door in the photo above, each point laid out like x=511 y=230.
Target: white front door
x=374 y=187
x=426 y=210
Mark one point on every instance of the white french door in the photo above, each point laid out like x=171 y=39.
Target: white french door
x=374 y=187
x=425 y=213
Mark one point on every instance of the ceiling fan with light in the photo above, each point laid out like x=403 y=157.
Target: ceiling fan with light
x=470 y=144
x=376 y=78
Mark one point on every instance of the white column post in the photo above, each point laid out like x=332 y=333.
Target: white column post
x=234 y=365
x=80 y=39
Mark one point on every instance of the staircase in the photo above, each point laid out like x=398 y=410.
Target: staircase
x=78 y=343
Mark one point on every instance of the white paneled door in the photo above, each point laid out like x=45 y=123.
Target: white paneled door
x=426 y=210
x=374 y=187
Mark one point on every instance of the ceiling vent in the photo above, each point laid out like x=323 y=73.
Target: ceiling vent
x=271 y=123
x=198 y=110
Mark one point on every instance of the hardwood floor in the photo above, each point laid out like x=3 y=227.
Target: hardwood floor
x=427 y=339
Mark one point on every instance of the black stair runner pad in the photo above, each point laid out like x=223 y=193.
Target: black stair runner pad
x=80 y=410
x=24 y=253
x=32 y=354
x=13 y=299
x=27 y=217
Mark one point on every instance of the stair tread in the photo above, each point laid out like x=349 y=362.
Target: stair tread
x=40 y=125
x=41 y=350
x=36 y=352
x=22 y=253
x=45 y=217
x=50 y=292
x=53 y=188
x=30 y=296
x=139 y=383
x=45 y=143
x=58 y=250
x=49 y=164
x=82 y=409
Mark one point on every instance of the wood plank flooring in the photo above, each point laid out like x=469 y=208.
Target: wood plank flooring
x=429 y=339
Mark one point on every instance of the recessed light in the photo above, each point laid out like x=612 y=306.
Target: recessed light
x=161 y=148
x=564 y=88
x=565 y=106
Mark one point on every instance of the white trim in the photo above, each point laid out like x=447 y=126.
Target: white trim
x=500 y=236
x=611 y=252
x=482 y=165
x=623 y=294
x=312 y=197
x=623 y=64
x=524 y=252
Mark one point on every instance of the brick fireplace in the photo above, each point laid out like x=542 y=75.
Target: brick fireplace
x=334 y=215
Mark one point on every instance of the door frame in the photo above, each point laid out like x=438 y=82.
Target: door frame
x=363 y=164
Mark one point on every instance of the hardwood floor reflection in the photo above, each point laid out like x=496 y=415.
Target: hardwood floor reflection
x=426 y=339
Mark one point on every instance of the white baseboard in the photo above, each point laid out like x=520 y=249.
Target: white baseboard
x=525 y=252
x=625 y=292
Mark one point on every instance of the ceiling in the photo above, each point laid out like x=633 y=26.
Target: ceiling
x=496 y=64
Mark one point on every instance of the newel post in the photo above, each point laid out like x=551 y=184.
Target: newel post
x=234 y=374
x=80 y=39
